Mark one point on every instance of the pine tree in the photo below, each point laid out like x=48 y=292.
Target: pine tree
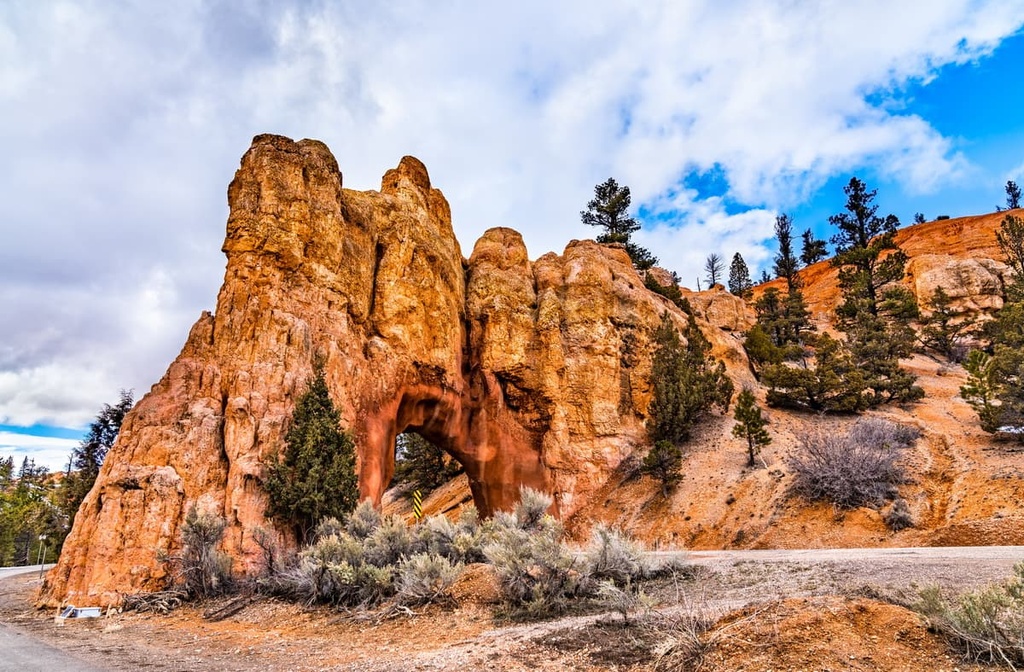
x=783 y=325
x=8 y=517
x=919 y=218
x=609 y=209
x=1010 y=238
x=946 y=327
x=714 y=268
x=422 y=464
x=996 y=386
x=813 y=250
x=1012 y=195
x=760 y=348
x=833 y=384
x=88 y=456
x=739 y=277
x=663 y=462
x=750 y=425
x=785 y=319
x=876 y=311
x=687 y=383
x=982 y=389
x=670 y=292
x=864 y=272
x=786 y=264
x=314 y=476
x=28 y=509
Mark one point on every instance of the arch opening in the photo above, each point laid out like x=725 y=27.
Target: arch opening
x=497 y=453
x=421 y=464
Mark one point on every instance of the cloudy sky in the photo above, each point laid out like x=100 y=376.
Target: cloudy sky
x=123 y=123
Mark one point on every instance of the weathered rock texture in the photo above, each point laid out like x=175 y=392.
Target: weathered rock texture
x=527 y=372
x=960 y=255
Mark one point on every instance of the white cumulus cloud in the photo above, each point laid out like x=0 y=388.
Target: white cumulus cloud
x=124 y=123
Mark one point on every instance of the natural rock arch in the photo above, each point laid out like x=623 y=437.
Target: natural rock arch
x=516 y=368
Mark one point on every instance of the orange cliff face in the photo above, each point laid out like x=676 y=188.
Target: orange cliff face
x=960 y=255
x=529 y=373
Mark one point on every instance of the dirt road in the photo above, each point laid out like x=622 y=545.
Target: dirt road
x=276 y=637
x=22 y=652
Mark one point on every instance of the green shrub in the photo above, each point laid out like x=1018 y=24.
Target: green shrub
x=531 y=513
x=613 y=557
x=986 y=625
x=204 y=571
x=362 y=522
x=368 y=559
x=329 y=527
x=538 y=574
x=425 y=578
x=333 y=570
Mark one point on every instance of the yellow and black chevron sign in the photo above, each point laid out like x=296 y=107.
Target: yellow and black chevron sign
x=417 y=504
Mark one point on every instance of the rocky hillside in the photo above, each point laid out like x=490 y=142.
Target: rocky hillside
x=527 y=372
x=965 y=486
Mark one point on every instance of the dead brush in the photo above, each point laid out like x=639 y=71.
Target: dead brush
x=860 y=467
x=160 y=602
x=692 y=630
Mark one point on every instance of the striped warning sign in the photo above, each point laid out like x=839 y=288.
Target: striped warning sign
x=417 y=504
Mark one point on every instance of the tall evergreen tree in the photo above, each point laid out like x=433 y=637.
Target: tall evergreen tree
x=739 y=277
x=1001 y=377
x=88 y=456
x=813 y=250
x=687 y=383
x=785 y=319
x=750 y=425
x=314 y=477
x=876 y=310
x=786 y=263
x=864 y=272
x=609 y=210
x=1012 y=195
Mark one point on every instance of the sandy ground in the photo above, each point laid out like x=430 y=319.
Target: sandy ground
x=801 y=611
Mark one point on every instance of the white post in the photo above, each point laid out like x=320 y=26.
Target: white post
x=42 y=545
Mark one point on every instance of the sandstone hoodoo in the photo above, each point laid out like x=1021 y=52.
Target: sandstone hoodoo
x=528 y=373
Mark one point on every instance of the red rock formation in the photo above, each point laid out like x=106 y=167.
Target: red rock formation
x=528 y=373
x=959 y=254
